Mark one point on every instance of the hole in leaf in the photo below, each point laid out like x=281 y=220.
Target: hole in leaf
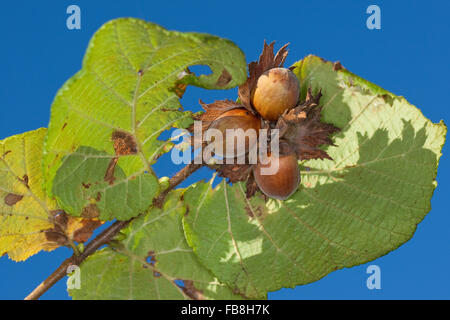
x=179 y=283
x=200 y=69
x=165 y=135
x=150 y=259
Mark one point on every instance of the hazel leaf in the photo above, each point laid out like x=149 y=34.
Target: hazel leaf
x=127 y=93
x=151 y=261
x=29 y=220
x=359 y=206
x=83 y=189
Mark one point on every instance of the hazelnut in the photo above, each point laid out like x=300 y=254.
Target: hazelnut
x=284 y=182
x=234 y=119
x=276 y=90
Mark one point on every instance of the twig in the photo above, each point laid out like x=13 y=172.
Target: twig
x=105 y=237
x=176 y=180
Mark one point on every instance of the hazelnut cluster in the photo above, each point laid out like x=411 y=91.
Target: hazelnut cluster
x=269 y=99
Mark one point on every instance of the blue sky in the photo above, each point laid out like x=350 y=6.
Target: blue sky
x=408 y=56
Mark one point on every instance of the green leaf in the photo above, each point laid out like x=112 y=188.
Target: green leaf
x=127 y=94
x=82 y=190
x=151 y=255
x=348 y=211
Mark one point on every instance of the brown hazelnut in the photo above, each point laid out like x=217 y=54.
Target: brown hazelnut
x=239 y=118
x=276 y=90
x=284 y=182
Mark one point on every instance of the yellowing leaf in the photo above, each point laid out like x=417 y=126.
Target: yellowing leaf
x=29 y=220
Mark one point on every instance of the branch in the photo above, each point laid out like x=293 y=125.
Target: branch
x=176 y=180
x=106 y=236
x=103 y=238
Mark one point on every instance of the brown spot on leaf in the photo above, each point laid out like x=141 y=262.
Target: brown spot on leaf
x=53 y=213
x=251 y=212
x=191 y=291
x=98 y=197
x=85 y=232
x=60 y=218
x=64 y=126
x=109 y=175
x=237 y=291
x=388 y=99
x=7 y=152
x=24 y=180
x=54 y=235
x=86 y=185
x=90 y=212
x=224 y=78
x=337 y=66
x=11 y=199
x=57 y=234
x=251 y=186
x=180 y=89
x=124 y=143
